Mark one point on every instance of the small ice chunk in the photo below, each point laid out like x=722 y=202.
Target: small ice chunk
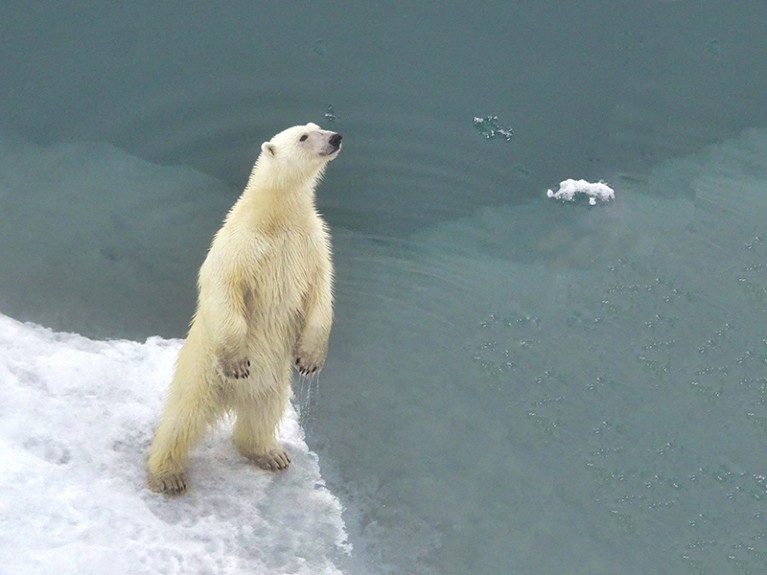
x=595 y=191
x=490 y=127
x=330 y=114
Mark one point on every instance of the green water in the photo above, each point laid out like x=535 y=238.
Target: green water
x=515 y=385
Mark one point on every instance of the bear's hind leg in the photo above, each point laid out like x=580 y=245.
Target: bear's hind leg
x=254 y=435
x=181 y=426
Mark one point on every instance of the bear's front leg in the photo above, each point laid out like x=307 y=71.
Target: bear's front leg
x=312 y=345
x=233 y=365
x=230 y=334
x=231 y=354
x=310 y=352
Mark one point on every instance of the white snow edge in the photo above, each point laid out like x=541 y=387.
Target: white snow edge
x=596 y=191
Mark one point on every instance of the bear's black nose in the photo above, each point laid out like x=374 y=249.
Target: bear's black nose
x=335 y=140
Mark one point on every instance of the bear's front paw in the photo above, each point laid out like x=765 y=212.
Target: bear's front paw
x=309 y=362
x=234 y=368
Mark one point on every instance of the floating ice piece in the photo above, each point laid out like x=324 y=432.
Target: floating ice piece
x=490 y=127
x=595 y=191
x=330 y=114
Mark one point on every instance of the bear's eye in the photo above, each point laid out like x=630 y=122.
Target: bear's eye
x=303 y=138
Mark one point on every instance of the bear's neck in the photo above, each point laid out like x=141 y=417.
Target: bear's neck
x=279 y=200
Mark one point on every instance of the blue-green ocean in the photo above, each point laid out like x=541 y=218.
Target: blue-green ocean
x=515 y=384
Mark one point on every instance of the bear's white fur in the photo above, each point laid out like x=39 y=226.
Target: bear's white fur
x=265 y=302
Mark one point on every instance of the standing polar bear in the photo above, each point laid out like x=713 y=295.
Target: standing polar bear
x=265 y=301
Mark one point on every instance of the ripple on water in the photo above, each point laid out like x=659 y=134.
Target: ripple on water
x=639 y=376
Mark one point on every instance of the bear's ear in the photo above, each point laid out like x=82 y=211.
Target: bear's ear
x=269 y=148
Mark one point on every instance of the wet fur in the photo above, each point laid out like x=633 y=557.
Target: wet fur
x=265 y=303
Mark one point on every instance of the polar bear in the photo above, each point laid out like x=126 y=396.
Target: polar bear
x=265 y=302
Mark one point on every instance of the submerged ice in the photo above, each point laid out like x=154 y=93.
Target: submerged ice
x=100 y=242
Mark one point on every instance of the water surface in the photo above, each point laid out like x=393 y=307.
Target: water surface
x=514 y=385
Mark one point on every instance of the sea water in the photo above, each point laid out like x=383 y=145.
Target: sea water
x=571 y=396
x=515 y=384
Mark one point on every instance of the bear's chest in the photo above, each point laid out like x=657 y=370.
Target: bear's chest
x=284 y=273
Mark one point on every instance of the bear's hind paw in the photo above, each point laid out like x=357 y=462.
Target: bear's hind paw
x=273 y=460
x=169 y=484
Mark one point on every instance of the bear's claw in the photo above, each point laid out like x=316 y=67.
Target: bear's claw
x=236 y=369
x=305 y=369
x=310 y=353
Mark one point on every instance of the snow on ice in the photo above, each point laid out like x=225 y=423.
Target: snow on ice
x=595 y=191
x=77 y=416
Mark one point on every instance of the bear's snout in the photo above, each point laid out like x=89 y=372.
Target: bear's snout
x=335 y=140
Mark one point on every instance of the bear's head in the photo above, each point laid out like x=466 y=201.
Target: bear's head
x=301 y=151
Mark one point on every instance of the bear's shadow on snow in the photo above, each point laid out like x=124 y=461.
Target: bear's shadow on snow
x=226 y=484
